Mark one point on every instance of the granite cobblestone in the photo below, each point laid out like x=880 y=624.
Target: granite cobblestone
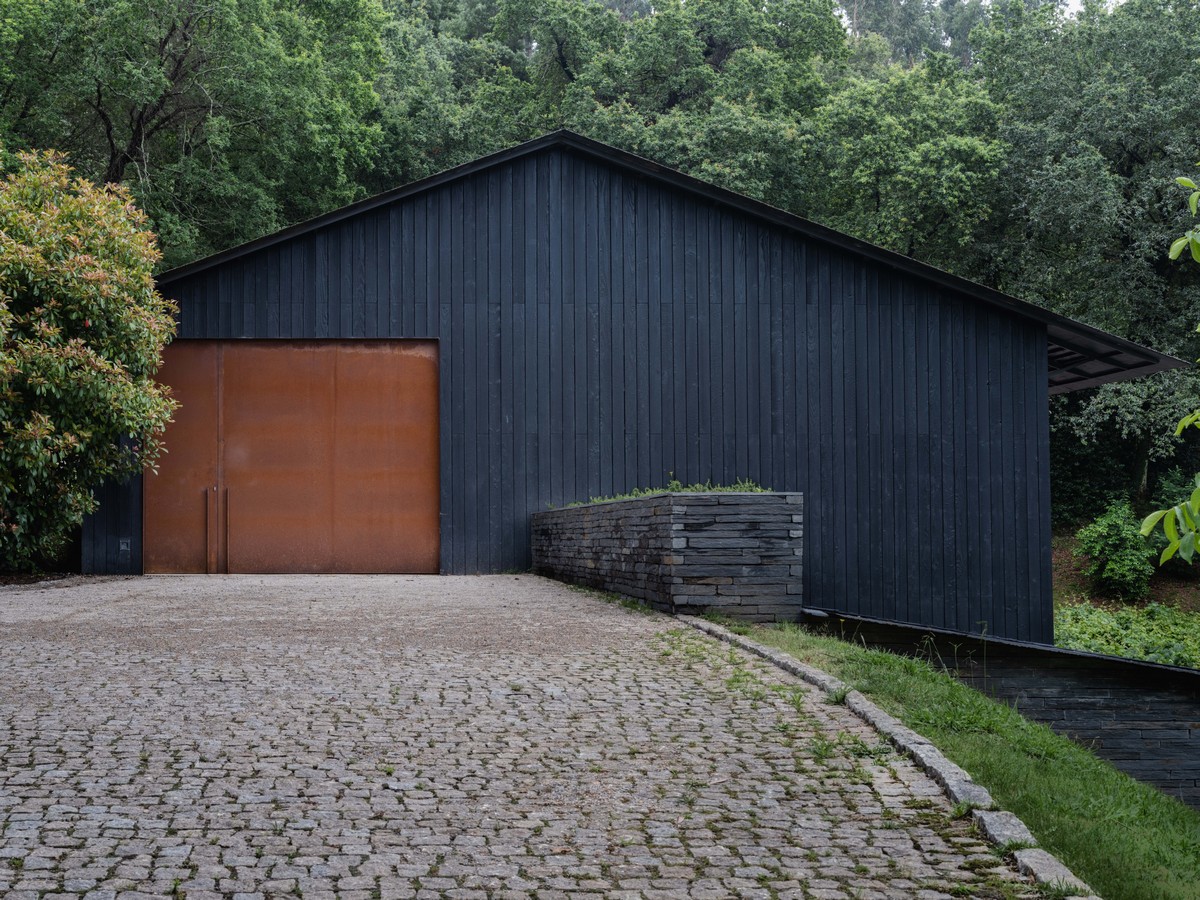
x=421 y=737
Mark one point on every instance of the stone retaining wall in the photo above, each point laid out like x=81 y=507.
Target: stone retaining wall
x=732 y=553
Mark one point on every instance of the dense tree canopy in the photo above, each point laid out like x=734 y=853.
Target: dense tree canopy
x=1001 y=139
x=227 y=118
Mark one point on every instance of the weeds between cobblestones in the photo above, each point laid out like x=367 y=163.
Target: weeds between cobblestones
x=440 y=737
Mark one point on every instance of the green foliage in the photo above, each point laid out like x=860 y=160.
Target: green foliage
x=1179 y=525
x=1191 y=238
x=674 y=486
x=915 y=29
x=1118 y=556
x=1155 y=633
x=1180 y=522
x=1098 y=111
x=1011 y=143
x=909 y=160
x=1085 y=476
x=1173 y=484
x=227 y=120
x=81 y=334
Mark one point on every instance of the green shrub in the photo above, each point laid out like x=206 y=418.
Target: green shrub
x=1154 y=633
x=81 y=333
x=1118 y=555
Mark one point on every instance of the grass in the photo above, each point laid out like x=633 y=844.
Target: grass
x=675 y=486
x=630 y=603
x=1127 y=840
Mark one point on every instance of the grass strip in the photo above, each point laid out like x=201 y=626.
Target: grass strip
x=1126 y=839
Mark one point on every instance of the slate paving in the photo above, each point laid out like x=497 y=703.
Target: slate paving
x=423 y=737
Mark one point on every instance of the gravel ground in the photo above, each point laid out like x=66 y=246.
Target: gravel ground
x=435 y=737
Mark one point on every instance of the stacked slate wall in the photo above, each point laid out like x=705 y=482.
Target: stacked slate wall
x=1142 y=717
x=737 y=554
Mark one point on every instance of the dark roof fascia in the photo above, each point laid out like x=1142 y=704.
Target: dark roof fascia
x=1056 y=324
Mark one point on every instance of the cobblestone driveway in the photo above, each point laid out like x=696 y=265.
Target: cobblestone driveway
x=435 y=737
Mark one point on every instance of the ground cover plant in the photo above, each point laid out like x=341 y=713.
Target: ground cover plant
x=675 y=486
x=1155 y=632
x=1127 y=840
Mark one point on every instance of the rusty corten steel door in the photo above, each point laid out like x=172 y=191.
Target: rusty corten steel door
x=179 y=521
x=324 y=458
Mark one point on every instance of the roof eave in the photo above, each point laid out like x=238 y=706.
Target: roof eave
x=1153 y=360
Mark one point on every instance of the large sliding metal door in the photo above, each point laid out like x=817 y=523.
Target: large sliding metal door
x=298 y=456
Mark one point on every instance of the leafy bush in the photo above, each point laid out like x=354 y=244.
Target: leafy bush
x=81 y=334
x=1118 y=555
x=1154 y=633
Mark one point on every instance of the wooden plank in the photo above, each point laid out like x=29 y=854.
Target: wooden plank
x=946 y=428
x=857 y=554
x=681 y=454
x=561 y=323
x=650 y=276
x=930 y=601
x=729 y=374
x=975 y=374
x=892 y=362
x=268 y=290
x=912 y=458
x=528 y=186
x=632 y=367
x=591 y=436
x=607 y=445
x=996 y=593
x=397 y=273
x=836 y=437
x=357 y=300
x=411 y=243
x=877 y=409
x=1044 y=598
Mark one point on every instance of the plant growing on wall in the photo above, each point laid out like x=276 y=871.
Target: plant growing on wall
x=81 y=335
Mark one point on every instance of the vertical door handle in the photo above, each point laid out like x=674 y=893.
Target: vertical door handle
x=210 y=529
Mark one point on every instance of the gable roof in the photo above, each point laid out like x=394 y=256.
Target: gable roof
x=1078 y=355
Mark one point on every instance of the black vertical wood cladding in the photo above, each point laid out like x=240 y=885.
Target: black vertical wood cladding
x=600 y=331
x=112 y=535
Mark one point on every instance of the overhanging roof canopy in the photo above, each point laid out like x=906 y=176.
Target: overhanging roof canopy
x=1078 y=355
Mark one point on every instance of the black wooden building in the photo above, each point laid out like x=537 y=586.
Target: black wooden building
x=590 y=322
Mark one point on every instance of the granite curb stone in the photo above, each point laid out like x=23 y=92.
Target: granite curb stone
x=1001 y=828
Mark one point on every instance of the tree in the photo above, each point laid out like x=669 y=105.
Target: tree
x=1096 y=111
x=910 y=159
x=81 y=334
x=1181 y=523
x=227 y=119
